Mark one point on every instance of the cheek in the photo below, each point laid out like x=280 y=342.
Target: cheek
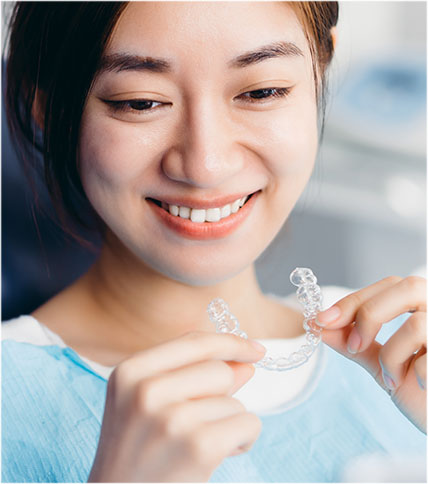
x=288 y=143
x=290 y=140
x=115 y=154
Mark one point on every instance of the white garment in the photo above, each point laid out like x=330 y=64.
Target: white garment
x=267 y=392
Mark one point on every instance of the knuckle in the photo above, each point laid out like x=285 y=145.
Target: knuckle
x=255 y=422
x=144 y=398
x=367 y=312
x=119 y=382
x=392 y=280
x=200 y=448
x=415 y=283
x=212 y=343
x=196 y=338
x=121 y=374
x=194 y=335
x=172 y=421
x=165 y=425
x=416 y=324
x=113 y=382
x=353 y=300
x=203 y=340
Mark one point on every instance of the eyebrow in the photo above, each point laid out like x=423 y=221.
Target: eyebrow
x=270 y=51
x=128 y=62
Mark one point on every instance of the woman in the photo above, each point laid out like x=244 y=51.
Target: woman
x=189 y=131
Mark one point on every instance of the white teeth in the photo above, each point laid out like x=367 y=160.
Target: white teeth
x=235 y=206
x=184 y=212
x=225 y=211
x=173 y=210
x=198 y=215
x=242 y=201
x=213 y=215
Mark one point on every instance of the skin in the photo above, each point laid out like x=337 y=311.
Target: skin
x=210 y=143
x=207 y=144
x=141 y=306
x=399 y=366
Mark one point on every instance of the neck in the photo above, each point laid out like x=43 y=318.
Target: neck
x=141 y=306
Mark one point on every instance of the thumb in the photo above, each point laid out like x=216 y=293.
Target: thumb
x=337 y=339
x=243 y=372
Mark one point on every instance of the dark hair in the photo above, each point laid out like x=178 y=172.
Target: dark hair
x=54 y=53
x=318 y=18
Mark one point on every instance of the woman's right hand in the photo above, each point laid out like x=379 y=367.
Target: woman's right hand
x=169 y=414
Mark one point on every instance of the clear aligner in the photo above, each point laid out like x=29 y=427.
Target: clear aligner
x=309 y=296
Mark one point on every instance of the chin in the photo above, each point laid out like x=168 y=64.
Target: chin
x=201 y=273
x=206 y=278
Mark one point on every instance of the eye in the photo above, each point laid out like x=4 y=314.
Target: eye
x=139 y=106
x=259 y=95
x=146 y=106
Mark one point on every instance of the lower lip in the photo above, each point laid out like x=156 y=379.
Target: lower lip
x=206 y=230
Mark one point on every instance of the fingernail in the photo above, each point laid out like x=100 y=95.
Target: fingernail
x=354 y=341
x=257 y=345
x=389 y=382
x=328 y=316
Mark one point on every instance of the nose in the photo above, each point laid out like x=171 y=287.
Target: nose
x=206 y=153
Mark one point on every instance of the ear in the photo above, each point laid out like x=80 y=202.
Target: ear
x=38 y=109
x=333 y=33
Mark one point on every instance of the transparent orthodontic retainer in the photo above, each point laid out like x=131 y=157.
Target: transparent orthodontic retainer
x=310 y=297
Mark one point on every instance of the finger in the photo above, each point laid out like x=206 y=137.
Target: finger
x=407 y=295
x=395 y=354
x=374 y=305
x=185 y=350
x=243 y=372
x=179 y=418
x=421 y=371
x=228 y=436
x=368 y=359
x=203 y=379
x=343 y=312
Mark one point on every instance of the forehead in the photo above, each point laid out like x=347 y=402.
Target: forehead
x=198 y=32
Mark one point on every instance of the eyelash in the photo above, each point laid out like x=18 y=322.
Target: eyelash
x=126 y=105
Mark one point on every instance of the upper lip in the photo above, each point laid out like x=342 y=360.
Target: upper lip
x=190 y=202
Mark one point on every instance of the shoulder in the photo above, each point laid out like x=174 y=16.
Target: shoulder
x=51 y=405
x=29 y=348
x=27 y=329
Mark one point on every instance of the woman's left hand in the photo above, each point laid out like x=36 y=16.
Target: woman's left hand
x=399 y=366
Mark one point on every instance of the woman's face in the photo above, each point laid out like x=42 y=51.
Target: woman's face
x=199 y=130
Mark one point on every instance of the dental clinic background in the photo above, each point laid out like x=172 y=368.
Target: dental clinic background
x=362 y=216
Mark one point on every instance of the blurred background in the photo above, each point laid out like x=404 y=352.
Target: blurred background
x=363 y=214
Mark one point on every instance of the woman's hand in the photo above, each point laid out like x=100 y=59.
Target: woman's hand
x=399 y=366
x=169 y=414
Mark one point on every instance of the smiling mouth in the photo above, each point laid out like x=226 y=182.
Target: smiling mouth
x=200 y=215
